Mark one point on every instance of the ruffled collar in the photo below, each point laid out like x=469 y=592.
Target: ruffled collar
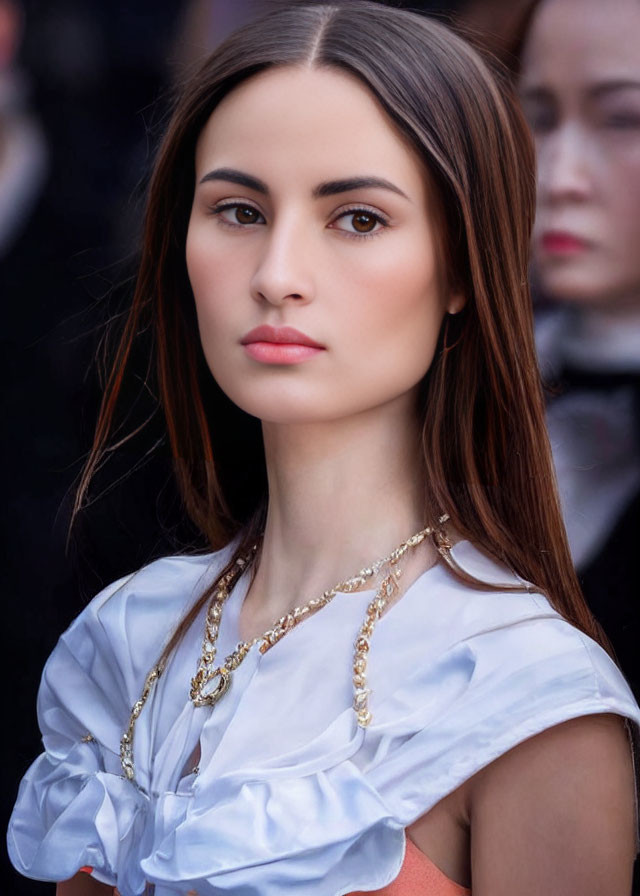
x=292 y=794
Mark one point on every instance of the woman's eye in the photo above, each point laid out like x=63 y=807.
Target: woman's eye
x=542 y=123
x=238 y=215
x=360 y=222
x=541 y=120
x=622 y=121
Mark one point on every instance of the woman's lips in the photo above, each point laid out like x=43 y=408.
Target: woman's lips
x=280 y=345
x=561 y=242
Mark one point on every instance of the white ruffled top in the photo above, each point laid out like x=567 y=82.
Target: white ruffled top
x=292 y=796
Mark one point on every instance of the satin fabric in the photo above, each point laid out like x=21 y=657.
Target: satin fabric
x=418 y=877
x=292 y=795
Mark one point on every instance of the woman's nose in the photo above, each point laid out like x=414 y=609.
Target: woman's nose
x=564 y=168
x=285 y=268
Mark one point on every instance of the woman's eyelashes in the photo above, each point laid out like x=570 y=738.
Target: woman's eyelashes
x=544 y=119
x=237 y=214
x=621 y=120
x=358 y=221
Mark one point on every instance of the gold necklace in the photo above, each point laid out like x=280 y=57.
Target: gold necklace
x=206 y=672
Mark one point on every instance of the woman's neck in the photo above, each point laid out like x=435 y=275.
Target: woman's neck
x=341 y=495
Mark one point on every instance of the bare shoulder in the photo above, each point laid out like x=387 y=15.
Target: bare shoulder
x=600 y=739
x=556 y=814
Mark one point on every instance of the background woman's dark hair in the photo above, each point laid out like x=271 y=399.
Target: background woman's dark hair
x=485 y=450
x=497 y=27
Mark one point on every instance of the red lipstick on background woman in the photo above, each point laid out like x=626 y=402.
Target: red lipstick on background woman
x=561 y=242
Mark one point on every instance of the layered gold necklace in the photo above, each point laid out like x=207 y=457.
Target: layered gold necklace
x=211 y=682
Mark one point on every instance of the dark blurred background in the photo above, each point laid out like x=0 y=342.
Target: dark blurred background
x=83 y=85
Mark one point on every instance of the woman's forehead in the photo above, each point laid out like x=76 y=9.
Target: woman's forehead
x=574 y=42
x=307 y=122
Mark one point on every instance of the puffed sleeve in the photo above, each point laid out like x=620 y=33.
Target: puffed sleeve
x=74 y=808
x=487 y=694
x=73 y=794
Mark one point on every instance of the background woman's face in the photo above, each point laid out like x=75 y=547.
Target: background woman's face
x=581 y=91
x=285 y=231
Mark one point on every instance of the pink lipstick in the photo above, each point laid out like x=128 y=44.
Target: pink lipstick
x=280 y=345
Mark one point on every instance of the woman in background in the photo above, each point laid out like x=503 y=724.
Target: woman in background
x=580 y=85
x=384 y=678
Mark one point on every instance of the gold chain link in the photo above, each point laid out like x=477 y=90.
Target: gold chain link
x=207 y=673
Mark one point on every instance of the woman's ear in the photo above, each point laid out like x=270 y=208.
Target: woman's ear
x=456 y=302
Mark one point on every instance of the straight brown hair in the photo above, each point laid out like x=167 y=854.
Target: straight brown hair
x=485 y=451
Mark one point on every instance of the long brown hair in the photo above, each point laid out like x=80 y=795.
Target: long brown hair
x=485 y=451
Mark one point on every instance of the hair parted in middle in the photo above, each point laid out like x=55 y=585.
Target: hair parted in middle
x=485 y=452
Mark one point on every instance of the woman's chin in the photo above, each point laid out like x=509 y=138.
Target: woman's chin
x=282 y=409
x=577 y=287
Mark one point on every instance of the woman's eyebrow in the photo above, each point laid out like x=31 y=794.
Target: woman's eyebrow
x=332 y=187
x=328 y=188
x=605 y=88
x=599 y=89
x=236 y=177
x=536 y=93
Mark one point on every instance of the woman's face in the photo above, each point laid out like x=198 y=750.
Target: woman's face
x=310 y=213
x=581 y=92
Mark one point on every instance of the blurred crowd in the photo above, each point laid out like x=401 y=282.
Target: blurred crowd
x=84 y=89
x=579 y=80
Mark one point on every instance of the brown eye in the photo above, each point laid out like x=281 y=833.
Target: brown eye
x=360 y=222
x=364 y=222
x=246 y=215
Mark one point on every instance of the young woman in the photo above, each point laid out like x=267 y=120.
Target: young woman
x=384 y=678
x=580 y=85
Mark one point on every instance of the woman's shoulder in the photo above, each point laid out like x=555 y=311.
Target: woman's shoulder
x=473 y=603
x=154 y=596
x=504 y=633
x=119 y=635
x=481 y=669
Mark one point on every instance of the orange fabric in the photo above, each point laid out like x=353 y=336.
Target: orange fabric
x=419 y=877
